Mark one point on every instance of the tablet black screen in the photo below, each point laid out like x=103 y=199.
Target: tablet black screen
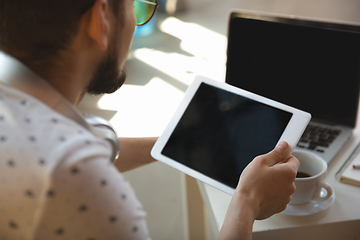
x=221 y=132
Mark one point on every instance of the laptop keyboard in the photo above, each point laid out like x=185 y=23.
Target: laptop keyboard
x=318 y=138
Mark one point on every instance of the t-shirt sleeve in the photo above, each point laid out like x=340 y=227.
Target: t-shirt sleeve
x=88 y=199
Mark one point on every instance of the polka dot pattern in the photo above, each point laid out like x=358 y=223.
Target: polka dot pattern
x=56 y=181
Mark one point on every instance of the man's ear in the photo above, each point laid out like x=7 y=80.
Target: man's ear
x=99 y=24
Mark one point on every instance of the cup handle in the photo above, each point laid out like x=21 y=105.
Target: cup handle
x=328 y=189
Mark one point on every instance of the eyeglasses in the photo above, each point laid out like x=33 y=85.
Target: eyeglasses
x=144 y=10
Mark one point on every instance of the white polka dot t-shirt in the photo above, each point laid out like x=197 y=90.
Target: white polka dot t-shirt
x=56 y=179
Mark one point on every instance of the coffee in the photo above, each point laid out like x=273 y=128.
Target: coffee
x=302 y=175
x=309 y=180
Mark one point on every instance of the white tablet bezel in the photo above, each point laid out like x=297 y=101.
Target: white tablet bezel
x=291 y=134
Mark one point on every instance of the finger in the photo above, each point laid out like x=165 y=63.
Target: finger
x=279 y=154
x=289 y=168
x=293 y=163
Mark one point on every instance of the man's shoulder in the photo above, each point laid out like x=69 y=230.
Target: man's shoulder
x=32 y=129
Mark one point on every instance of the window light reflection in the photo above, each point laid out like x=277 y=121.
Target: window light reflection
x=206 y=47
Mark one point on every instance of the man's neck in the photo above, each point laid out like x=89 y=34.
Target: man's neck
x=65 y=79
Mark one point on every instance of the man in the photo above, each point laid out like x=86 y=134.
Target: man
x=56 y=181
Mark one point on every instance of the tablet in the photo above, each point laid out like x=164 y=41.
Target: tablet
x=219 y=129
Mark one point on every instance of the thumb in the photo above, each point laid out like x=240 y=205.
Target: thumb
x=280 y=154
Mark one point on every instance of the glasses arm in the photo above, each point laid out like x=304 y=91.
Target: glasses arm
x=148 y=2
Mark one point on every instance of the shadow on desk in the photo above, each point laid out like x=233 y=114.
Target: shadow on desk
x=330 y=231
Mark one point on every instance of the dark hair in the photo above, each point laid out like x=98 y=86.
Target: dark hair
x=38 y=29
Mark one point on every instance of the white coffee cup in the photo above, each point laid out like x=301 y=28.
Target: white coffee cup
x=310 y=188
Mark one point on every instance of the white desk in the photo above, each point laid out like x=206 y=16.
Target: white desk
x=340 y=221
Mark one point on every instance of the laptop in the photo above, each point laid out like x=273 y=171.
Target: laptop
x=308 y=64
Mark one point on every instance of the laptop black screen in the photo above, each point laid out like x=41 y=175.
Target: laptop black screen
x=309 y=65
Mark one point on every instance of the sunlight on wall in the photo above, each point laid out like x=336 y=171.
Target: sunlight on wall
x=176 y=65
x=208 y=57
x=148 y=107
x=196 y=39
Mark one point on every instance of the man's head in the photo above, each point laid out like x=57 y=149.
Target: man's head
x=38 y=31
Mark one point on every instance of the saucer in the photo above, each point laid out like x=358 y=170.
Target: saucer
x=308 y=208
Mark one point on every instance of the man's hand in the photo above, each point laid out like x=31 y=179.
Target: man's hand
x=265 y=188
x=268 y=182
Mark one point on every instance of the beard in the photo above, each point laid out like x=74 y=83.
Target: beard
x=108 y=77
